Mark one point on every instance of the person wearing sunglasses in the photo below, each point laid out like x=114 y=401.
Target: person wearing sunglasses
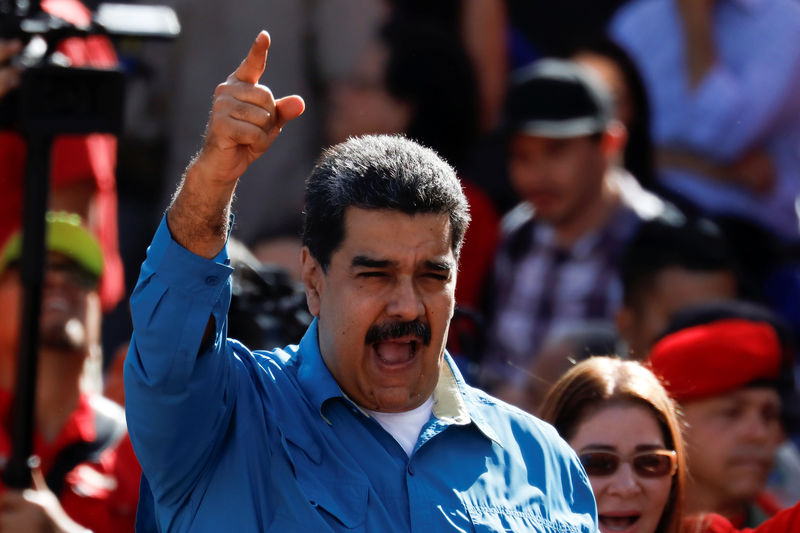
x=622 y=424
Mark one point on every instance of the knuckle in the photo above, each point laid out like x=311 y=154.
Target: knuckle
x=220 y=89
x=264 y=95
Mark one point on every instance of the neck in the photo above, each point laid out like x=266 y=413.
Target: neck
x=702 y=499
x=591 y=217
x=8 y=365
x=57 y=391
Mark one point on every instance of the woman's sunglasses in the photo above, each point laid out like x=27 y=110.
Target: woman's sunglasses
x=650 y=463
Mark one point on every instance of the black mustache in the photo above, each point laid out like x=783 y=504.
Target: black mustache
x=396 y=330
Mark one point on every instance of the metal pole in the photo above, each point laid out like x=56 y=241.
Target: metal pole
x=17 y=473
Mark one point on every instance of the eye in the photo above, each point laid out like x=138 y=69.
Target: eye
x=437 y=276
x=371 y=274
x=652 y=464
x=599 y=463
x=731 y=412
x=771 y=413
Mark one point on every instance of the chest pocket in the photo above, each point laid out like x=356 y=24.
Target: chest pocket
x=337 y=495
x=502 y=520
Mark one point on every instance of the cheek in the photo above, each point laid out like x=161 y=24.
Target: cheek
x=653 y=323
x=599 y=488
x=440 y=309
x=658 y=490
x=706 y=449
x=521 y=175
x=10 y=305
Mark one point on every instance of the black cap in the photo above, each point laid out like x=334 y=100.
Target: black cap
x=558 y=99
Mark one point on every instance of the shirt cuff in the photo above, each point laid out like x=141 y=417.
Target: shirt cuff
x=181 y=269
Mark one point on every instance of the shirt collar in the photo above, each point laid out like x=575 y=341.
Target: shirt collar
x=315 y=379
x=453 y=401
x=79 y=427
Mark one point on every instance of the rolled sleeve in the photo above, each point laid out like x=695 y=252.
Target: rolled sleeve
x=175 y=296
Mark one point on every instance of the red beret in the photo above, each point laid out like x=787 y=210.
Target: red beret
x=715 y=358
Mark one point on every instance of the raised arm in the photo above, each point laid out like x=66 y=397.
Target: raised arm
x=244 y=122
x=701 y=52
x=180 y=391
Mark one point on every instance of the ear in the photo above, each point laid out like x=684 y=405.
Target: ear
x=625 y=323
x=614 y=139
x=313 y=279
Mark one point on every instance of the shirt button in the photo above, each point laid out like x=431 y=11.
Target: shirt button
x=212 y=280
x=410 y=469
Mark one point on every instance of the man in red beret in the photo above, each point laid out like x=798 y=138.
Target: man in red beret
x=724 y=374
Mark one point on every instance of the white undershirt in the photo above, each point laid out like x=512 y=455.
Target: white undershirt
x=406 y=426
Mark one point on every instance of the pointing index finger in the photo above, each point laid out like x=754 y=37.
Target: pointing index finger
x=252 y=67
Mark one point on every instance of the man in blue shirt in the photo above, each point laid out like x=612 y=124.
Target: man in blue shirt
x=366 y=425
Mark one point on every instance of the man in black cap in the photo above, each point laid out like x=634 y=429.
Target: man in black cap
x=557 y=265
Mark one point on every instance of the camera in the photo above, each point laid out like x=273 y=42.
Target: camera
x=55 y=97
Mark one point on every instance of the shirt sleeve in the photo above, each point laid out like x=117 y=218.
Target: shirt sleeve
x=729 y=112
x=737 y=104
x=178 y=402
x=786 y=520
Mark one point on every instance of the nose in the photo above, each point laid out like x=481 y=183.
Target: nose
x=529 y=172
x=624 y=482
x=405 y=302
x=55 y=277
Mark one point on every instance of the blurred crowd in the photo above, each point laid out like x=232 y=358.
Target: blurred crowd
x=633 y=174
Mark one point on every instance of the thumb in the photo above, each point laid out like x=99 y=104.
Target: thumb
x=39 y=482
x=288 y=108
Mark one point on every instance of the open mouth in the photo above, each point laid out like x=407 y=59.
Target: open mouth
x=55 y=303
x=396 y=352
x=618 y=522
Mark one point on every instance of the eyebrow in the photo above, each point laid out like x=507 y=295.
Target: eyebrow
x=603 y=447
x=368 y=262
x=638 y=448
x=441 y=266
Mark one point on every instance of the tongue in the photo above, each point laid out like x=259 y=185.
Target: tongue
x=394 y=352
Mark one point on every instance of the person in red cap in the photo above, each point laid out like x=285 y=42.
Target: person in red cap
x=725 y=372
x=88 y=476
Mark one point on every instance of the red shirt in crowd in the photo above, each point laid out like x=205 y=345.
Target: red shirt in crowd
x=786 y=521
x=101 y=495
x=74 y=158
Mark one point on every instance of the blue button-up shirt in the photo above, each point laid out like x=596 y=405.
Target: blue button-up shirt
x=245 y=441
x=749 y=99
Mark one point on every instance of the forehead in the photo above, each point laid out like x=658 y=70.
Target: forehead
x=392 y=234
x=621 y=424
x=548 y=145
x=756 y=397
x=675 y=288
